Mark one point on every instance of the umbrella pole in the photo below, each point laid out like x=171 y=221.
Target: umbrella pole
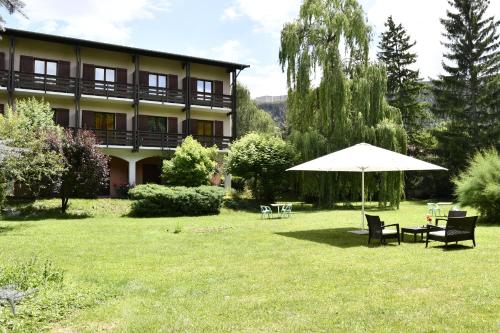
x=362 y=199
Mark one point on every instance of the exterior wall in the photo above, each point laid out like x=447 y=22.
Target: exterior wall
x=163 y=66
x=118 y=175
x=108 y=59
x=163 y=110
x=212 y=115
x=110 y=106
x=212 y=73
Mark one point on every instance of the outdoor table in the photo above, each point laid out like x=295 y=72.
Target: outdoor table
x=414 y=231
x=278 y=205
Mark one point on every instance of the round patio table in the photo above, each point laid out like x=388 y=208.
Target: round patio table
x=278 y=205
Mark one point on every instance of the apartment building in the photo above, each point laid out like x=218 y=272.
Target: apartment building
x=139 y=103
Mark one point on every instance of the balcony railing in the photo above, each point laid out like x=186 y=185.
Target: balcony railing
x=112 y=89
x=210 y=99
x=163 y=95
x=222 y=142
x=44 y=82
x=108 y=89
x=4 y=78
x=114 y=137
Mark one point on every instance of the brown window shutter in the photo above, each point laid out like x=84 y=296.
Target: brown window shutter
x=172 y=125
x=88 y=119
x=194 y=83
x=61 y=117
x=218 y=128
x=2 y=108
x=121 y=75
x=218 y=87
x=63 y=68
x=193 y=128
x=27 y=64
x=143 y=123
x=173 y=81
x=88 y=72
x=2 y=61
x=121 y=121
x=144 y=78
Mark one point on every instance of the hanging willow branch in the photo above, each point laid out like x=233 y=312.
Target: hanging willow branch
x=347 y=107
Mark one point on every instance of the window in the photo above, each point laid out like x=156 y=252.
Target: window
x=45 y=67
x=158 y=124
x=205 y=128
x=104 y=75
x=204 y=90
x=157 y=83
x=105 y=121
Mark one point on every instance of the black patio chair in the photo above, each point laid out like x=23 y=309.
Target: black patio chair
x=451 y=213
x=377 y=230
x=457 y=229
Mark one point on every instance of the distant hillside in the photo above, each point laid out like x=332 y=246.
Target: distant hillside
x=275 y=106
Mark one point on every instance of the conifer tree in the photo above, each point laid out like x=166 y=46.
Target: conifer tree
x=467 y=96
x=403 y=82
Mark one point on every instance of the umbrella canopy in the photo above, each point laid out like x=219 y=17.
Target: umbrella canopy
x=364 y=157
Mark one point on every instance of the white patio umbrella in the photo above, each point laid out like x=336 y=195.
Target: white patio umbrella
x=364 y=157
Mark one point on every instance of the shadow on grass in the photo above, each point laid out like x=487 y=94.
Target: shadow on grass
x=338 y=237
x=451 y=247
x=38 y=214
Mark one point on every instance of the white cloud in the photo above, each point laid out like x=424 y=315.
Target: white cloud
x=230 y=50
x=230 y=13
x=264 y=80
x=92 y=19
x=268 y=15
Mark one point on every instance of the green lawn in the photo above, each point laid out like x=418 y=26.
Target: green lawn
x=235 y=272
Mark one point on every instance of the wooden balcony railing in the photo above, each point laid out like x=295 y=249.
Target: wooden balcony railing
x=4 y=78
x=44 y=82
x=222 y=142
x=211 y=99
x=108 y=89
x=114 y=137
x=159 y=139
x=164 y=95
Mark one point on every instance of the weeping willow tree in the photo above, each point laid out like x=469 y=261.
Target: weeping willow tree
x=330 y=39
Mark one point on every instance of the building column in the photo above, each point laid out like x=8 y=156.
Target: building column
x=227 y=182
x=131 y=171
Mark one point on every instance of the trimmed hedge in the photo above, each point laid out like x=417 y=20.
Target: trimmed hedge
x=159 y=200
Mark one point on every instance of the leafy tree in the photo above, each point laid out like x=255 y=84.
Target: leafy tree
x=467 y=97
x=36 y=167
x=479 y=185
x=192 y=165
x=12 y=6
x=403 y=83
x=347 y=107
x=262 y=161
x=87 y=168
x=250 y=117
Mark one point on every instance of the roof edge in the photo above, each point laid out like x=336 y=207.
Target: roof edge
x=119 y=48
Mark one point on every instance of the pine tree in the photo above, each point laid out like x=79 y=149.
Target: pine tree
x=403 y=83
x=347 y=107
x=467 y=97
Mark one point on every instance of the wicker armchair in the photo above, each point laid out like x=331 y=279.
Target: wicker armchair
x=457 y=229
x=451 y=213
x=377 y=230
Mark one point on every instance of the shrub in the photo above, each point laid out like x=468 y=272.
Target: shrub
x=158 y=200
x=192 y=165
x=238 y=183
x=262 y=161
x=479 y=185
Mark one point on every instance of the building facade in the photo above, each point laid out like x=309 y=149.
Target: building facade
x=139 y=103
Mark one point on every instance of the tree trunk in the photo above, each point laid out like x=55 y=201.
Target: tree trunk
x=64 y=204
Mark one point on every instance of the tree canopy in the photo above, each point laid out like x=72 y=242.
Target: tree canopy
x=347 y=107
x=250 y=118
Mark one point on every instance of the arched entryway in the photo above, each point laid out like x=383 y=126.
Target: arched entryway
x=118 y=175
x=148 y=170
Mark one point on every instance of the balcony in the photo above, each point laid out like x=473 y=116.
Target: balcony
x=163 y=95
x=211 y=99
x=4 y=78
x=108 y=89
x=155 y=139
x=44 y=82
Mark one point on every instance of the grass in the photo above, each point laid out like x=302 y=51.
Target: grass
x=235 y=272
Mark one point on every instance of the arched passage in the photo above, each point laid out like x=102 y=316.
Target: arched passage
x=118 y=174
x=148 y=170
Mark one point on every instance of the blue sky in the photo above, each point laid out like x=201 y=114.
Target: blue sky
x=245 y=31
